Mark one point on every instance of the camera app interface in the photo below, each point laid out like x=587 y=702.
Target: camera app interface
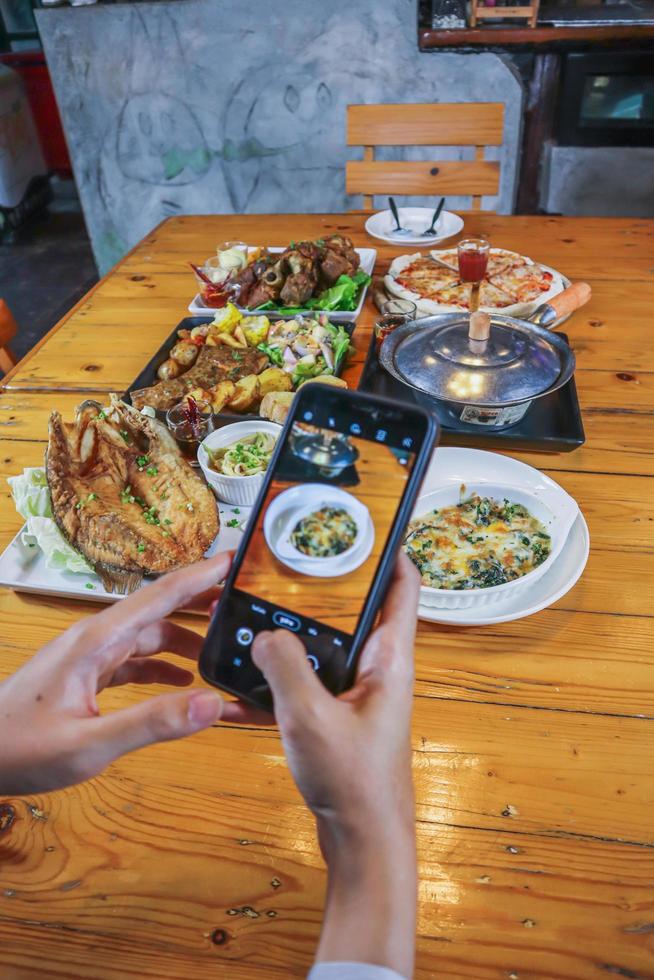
x=320 y=533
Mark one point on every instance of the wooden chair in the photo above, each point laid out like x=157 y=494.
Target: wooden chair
x=8 y=330
x=477 y=124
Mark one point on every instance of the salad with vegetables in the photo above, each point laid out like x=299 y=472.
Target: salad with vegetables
x=306 y=347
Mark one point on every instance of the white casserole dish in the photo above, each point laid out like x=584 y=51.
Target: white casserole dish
x=241 y=490
x=499 y=477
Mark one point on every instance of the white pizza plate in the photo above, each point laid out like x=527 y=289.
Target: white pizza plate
x=24 y=571
x=519 y=310
x=466 y=466
x=368 y=258
x=381 y=224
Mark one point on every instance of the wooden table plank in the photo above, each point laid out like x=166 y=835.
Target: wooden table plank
x=532 y=739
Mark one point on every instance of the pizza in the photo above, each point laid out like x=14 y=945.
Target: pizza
x=514 y=284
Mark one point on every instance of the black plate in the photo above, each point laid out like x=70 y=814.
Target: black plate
x=148 y=375
x=552 y=424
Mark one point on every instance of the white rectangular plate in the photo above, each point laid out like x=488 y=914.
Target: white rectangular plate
x=27 y=572
x=368 y=258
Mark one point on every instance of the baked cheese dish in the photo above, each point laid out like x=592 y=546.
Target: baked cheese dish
x=324 y=533
x=475 y=544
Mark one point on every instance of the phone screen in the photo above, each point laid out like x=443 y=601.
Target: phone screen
x=316 y=541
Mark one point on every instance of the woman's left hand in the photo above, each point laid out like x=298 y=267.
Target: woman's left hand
x=54 y=734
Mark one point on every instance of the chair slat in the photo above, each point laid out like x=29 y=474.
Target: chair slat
x=451 y=124
x=418 y=177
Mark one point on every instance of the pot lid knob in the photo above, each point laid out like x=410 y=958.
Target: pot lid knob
x=480 y=324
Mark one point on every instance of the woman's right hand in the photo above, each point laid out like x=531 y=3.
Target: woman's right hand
x=351 y=759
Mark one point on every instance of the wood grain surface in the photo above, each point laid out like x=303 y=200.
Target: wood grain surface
x=533 y=740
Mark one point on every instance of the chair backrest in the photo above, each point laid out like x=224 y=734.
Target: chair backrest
x=478 y=124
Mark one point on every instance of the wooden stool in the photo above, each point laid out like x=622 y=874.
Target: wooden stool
x=8 y=330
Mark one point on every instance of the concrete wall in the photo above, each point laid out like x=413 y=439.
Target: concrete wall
x=599 y=180
x=213 y=106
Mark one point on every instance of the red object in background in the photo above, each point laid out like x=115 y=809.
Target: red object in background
x=473 y=259
x=472 y=266
x=32 y=68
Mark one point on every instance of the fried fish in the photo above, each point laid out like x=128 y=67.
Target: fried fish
x=124 y=496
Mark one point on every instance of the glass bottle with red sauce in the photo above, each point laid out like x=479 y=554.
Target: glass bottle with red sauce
x=473 y=259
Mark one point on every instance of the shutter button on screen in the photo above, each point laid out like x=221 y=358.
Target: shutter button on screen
x=244 y=636
x=286 y=621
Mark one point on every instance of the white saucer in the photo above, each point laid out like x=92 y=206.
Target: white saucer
x=561 y=577
x=298 y=501
x=380 y=225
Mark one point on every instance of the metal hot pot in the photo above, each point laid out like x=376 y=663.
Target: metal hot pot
x=483 y=369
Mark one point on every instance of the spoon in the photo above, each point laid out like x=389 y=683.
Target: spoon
x=437 y=213
x=398 y=230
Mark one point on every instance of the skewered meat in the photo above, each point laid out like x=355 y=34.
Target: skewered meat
x=124 y=496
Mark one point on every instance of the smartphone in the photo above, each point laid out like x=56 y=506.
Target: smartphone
x=320 y=544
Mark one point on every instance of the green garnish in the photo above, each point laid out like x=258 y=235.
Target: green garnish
x=89 y=586
x=100 y=415
x=167 y=520
x=142 y=460
x=152 y=471
x=124 y=435
x=233 y=523
x=140 y=548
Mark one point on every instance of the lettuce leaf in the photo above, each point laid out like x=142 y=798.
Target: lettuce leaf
x=32 y=499
x=274 y=353
x=59 y=555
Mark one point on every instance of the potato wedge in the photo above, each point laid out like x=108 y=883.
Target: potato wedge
x=221 y=393
x=201 y=397
x=325 y=379
x=275 y=405
x=274 y=379
x=246 y=395
x=240 y=336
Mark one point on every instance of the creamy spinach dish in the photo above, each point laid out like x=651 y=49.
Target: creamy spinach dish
x=324 y=533
x=475 y=544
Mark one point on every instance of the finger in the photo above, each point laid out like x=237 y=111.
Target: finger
x=144 y=670
x=240 y=713
x=166 y=637
x=166 y=595
x=205 y=601
x=282 y=659
x=400 y=607
x=388 y=653
x=159 y=719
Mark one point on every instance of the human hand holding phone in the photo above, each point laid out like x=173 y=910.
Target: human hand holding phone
x=56 y=734
x=351 y=759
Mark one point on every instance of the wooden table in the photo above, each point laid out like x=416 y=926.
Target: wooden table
x=533 y=740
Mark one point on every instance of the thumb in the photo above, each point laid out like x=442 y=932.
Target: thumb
x=282 y=659
x=159 y=719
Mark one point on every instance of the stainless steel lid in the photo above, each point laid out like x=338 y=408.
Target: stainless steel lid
x=509 y=362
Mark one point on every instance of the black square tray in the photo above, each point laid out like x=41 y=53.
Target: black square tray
x=552 y=424
x=148 y=375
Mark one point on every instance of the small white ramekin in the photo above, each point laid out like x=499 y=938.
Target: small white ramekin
x=241 y=490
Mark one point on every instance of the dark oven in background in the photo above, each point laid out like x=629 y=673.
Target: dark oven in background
x=607 y=99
